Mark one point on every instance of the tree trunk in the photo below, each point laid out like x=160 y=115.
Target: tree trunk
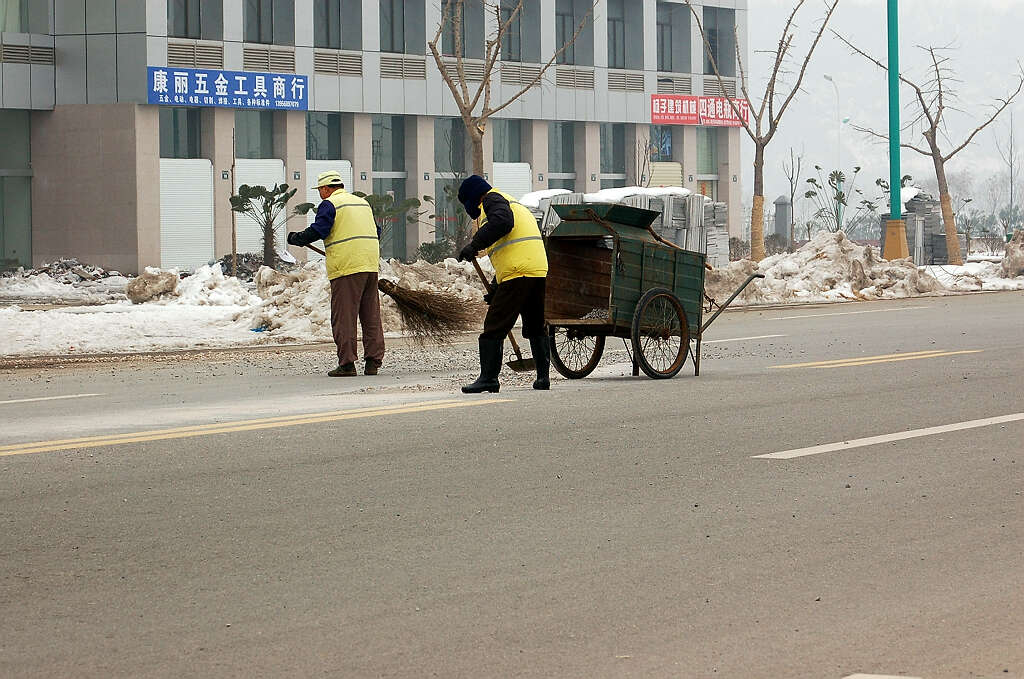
x=477 y=141
x=269 y=254
x=757 y=214
x=948 y=220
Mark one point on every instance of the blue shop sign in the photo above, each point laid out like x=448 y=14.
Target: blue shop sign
x=230 y=89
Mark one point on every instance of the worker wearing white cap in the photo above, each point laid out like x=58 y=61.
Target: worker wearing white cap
x=352 y=242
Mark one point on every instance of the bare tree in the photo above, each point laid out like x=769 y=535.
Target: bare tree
x=935 y=97
x=1012 y=158
x=768 y=114
x=474 y=98
x=792 y=172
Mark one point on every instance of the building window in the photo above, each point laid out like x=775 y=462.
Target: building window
x=508 y=141
x=616 y=34
x=327 y=24
x=388 y=143
x=392 y=26
x=565 y=27
x=454 y=13
x=323 y=136
x=707 y=150
x=450 y=145
x=14 y=16
x=200 y=19
x=15 y=188
x=720 y=27
x=392 y=236
x=661 y=143
x=270 y=22
x=613 y=148
x=512 y=41
x=673 y=31
x=448 y=211
x=561 y=147
x=179 y=132
x=254 y=134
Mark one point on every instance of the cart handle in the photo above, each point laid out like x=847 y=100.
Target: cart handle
x=728 y=301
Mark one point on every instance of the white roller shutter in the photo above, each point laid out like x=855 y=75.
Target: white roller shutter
x=666 y=174
x=186 y=213
x=515 y=179
x=256 y=172
x=314 y=168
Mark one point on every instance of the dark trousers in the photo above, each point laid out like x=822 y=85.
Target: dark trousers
x=355 y=297
x=517 y=297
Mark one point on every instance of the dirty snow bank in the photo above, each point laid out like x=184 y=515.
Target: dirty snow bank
x=829 y=267
x=296 y=305
x=65 y=281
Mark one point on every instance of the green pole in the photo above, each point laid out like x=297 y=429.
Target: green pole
x=895 y=204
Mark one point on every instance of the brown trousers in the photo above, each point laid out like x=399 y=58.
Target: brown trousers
x=355 y=297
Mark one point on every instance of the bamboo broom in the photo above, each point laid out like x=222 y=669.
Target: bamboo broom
x=429 y=314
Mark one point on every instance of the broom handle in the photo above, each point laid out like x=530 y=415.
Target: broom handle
x=487 y=285
x=317 y=250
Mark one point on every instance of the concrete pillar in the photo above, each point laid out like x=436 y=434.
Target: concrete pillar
x=357 y=147
x=217 y=125
x=535 y=151
x=729 y=191
x=419 y=164
x=588 y=156
x=290 y=146
x=147 y=178
x=687 y=154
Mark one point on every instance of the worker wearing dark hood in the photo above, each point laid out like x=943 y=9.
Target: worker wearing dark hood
x=512 y=239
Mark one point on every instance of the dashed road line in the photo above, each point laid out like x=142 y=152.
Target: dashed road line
x=47 y=398
x=847 y=313
x=887 y=438
x=741 y=339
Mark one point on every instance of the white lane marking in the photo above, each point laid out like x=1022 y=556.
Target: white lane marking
x=879 y=676
x=47 y=398
x=886 y=438
x=740 y=339
x=847 y=313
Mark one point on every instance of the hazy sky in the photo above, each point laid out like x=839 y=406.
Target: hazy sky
x=987 y=33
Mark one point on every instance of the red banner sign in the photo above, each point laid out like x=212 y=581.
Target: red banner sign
x=686 y=109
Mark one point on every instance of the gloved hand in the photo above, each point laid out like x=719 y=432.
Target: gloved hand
x=294 y=238
x=488 y=297
x=490 y=292
x=467 y=253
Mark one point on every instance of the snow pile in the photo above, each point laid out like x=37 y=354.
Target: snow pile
x=151 y=284
x=974 y=276
x=63 y=281
x=1013 y=259
x=297 y=305
x=617 y=195
x=119 y=328
x=533 y=199
x=208 y=286
x=829 y=267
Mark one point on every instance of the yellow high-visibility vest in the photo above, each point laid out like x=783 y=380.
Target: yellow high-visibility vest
x=520 y=253
x=352 y=246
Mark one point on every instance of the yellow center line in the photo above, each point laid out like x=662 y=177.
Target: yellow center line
x=242 y=425
x=869 y=360
x=217 y=425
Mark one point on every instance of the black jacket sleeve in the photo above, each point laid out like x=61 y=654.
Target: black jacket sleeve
x=499 y=221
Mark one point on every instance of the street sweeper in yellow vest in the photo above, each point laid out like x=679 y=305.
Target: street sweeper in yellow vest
x=352 y=242
x=512 y=239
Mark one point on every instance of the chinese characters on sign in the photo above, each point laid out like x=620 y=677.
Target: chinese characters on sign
x=675 y=109
x=231 y=89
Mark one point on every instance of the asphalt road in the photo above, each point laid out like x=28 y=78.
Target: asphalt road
x=238 y=514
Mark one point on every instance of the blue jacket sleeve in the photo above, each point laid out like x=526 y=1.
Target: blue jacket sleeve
x=324 y=221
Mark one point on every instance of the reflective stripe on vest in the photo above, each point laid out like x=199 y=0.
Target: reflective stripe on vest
x=496 y=248
x=352 y=245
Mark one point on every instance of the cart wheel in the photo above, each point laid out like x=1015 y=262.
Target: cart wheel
x=661 y=335
x=574 y=354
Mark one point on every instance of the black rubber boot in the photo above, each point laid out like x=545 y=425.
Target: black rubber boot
x=542 y=357
x=490 y=366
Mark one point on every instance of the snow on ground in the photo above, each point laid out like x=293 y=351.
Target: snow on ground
x=208 y=309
